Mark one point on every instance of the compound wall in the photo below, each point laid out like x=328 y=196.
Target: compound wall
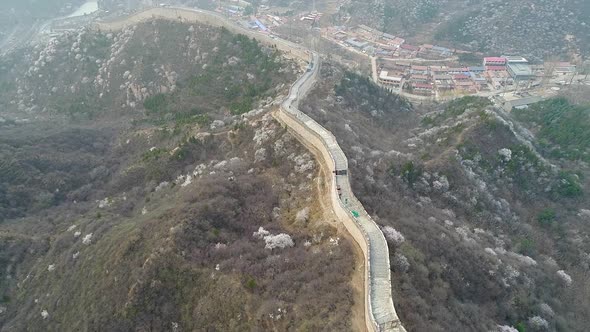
x=314 y=143
x=380 y=313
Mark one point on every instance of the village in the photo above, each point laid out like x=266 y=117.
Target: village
x=425 y=71
x=416 y=71
x=437 y=72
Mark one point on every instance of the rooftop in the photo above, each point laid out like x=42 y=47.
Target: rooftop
x=560 y=64
x=513 y=58
x=410 y=47
x=459 y=70
x=467 y=83
x=419 y=77
x=384 y=75
x=521 y=102
x=520 y=69
x=494 y=59
x=366 y=28
x=397 y=41
x=441 y=49
x=404 y=65
x=422 y=85
x=442 y=77
x=356 y=43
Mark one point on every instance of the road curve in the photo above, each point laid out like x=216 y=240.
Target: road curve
x=380 y=313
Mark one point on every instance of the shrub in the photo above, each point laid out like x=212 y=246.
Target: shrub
x=400 y=263
x=562 y=124
x=546 y=217
x=278 y=241
x=568 y=185
x=526 y=246
x=410 y=173
x=470 y=59
x=427 y=121
x=251 y=283
x=567 y=280
x=538 y=322
x=392 y=235
x=302 y=215
x=155 y=103
x=459 y=106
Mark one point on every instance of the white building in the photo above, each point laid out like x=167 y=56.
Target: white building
x=385 y=79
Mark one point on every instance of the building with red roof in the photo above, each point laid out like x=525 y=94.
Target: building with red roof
x=495 y=68
x=458 y=70
x=439 y=69
x=397 y=41
x=422 y=89
x=422 y=86
x=494 y=61
x=409 y=47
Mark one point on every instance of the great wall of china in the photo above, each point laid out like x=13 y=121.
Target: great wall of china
x=380 y=314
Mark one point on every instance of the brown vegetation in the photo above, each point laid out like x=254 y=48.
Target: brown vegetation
x=144 y=220
x=490 y=236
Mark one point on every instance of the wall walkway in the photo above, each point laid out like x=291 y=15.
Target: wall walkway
x=379 y=310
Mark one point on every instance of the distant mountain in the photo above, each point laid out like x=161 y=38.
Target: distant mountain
x=534 y=28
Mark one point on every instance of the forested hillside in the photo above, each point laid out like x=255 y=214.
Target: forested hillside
x=535 y=29
x=487 y=221
x=145 y=186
